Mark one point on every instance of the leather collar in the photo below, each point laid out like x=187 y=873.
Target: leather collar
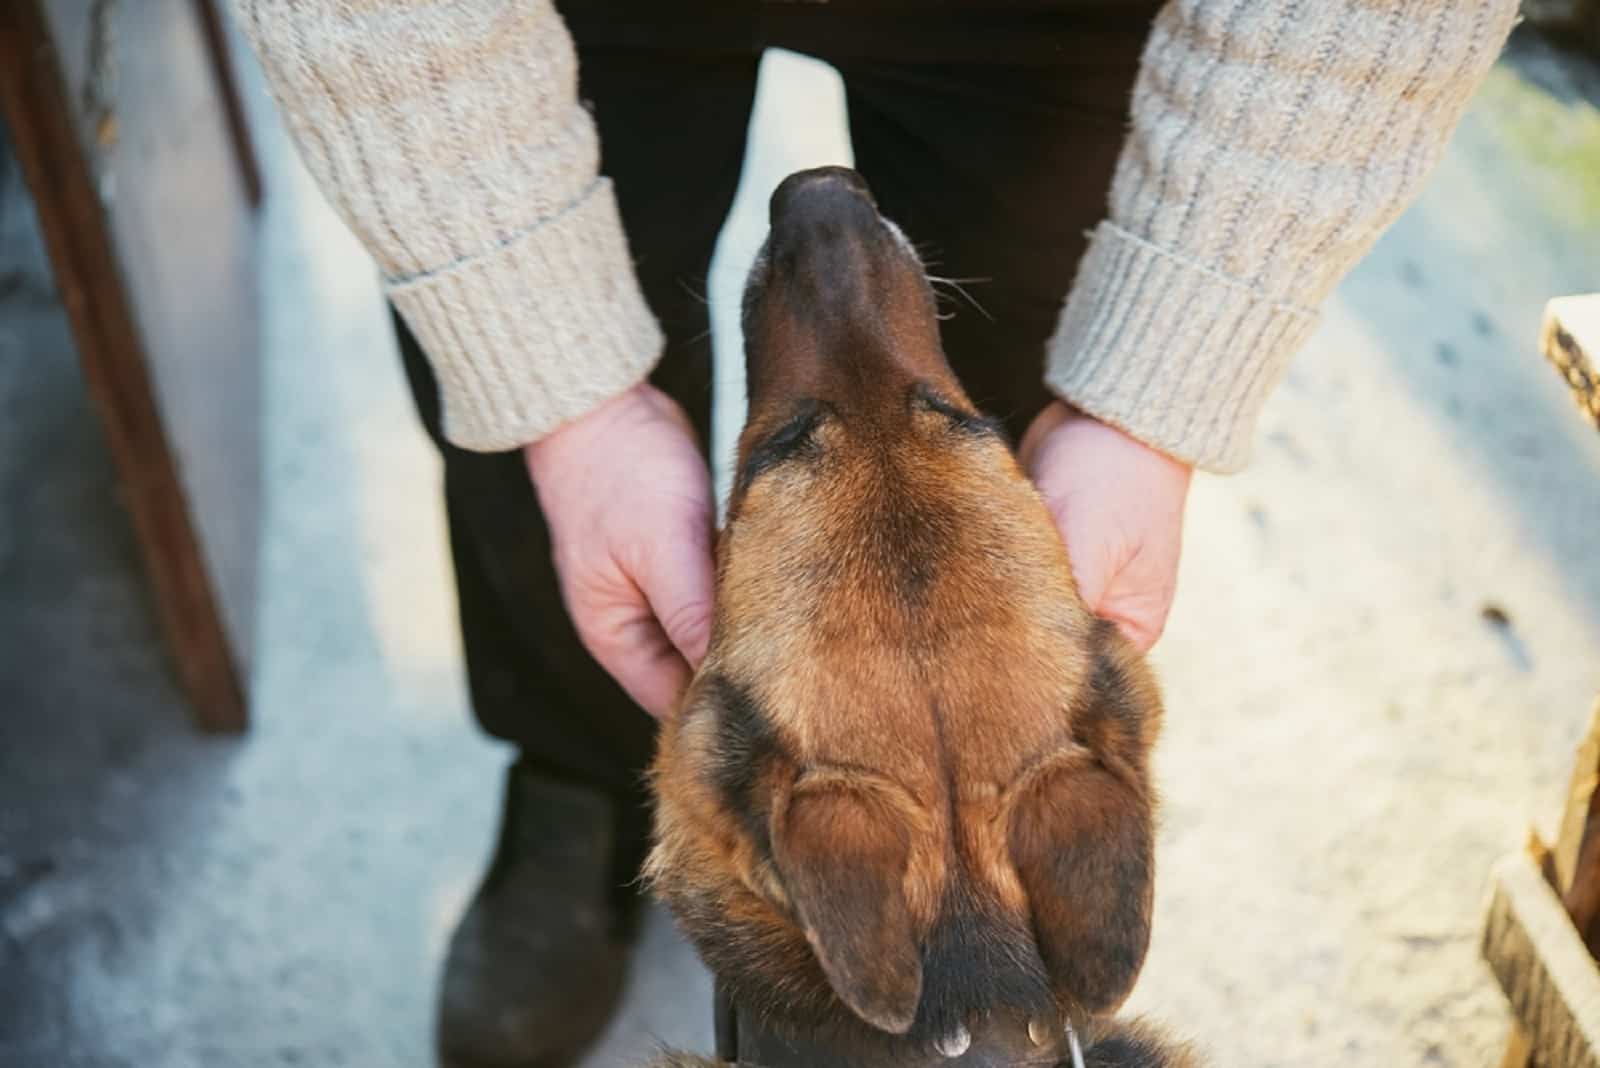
x=1004 y=1042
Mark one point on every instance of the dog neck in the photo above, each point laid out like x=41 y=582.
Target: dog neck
x=1005 y=1042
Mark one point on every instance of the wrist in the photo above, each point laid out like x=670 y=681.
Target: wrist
x=1059 y=415
x=580 y=439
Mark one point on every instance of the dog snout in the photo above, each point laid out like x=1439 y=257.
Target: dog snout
x=819 y=193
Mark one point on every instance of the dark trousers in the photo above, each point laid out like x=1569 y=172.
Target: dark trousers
x=988 y=130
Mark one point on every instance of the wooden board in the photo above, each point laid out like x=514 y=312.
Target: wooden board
x=1577 y=849
x=1548 y=976
x=1571 y=869
x=1570 y=339
x=124 y=133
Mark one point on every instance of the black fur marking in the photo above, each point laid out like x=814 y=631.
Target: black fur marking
x=913 y=541
x=1128 y=1050
x=1108 y=699
x=744 y=744
x=977 y=961
x=791 y=440
x=973 y=423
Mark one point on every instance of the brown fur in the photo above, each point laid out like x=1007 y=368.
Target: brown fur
x=910 y=782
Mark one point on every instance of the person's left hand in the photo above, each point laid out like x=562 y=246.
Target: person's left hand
x=1119 y=506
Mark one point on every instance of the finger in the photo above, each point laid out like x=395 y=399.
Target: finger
x=638 y=654
x=1087 y=548
x=1142 y=633
x=1139 y=597
x=678 y=584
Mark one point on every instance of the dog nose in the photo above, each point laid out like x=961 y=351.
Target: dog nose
x=817 y=185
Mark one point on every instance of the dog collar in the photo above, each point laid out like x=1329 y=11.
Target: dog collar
x=1005 y=1042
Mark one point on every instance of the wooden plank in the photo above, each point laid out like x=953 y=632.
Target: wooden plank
x=1575 y=811
x=1570 y=339
x=1548 y=976
x=183 y=228
x=40 y=109
x=244 y=149
x=1519 y=1051
x=1577 y=852
x=1572 y=867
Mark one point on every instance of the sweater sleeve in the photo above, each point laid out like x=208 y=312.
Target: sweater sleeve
x=450 y=138
x=1272 y=142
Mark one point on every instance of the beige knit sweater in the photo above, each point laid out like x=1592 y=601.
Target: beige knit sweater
x=1271 y=142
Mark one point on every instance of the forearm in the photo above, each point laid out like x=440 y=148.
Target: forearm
x=1271 y=144
x=450 y=138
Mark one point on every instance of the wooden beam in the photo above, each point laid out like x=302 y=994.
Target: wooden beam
x=1572 y=868
x=1577 y=852
x=1547 y=974
x=244 y=149
x=39 y=112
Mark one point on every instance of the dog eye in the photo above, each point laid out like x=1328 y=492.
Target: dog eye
x=967 y=422
x=787 y=442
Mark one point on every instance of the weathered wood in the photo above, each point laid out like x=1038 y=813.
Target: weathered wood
x=244 y=148
x=1577 y=852
x=1582 y=898
x=1575 y=811
x=1572 y=868
x=114 y=322
x=1548 y=976
x=1519 y=1051
x=1570 y=339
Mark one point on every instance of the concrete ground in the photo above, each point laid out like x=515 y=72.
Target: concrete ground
x=1383 y=650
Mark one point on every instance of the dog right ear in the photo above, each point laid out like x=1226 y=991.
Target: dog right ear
x=843 y=860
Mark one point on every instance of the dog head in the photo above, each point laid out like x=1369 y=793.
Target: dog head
x=911 y=775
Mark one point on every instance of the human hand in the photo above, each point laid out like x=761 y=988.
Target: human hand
x=1119 y=506
x=627 y=496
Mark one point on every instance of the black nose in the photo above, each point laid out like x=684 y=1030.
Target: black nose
x=817 y=184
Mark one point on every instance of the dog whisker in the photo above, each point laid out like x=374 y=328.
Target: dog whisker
x=959 y=285
x=683 y=284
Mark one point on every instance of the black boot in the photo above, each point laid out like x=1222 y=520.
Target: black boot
x=536 y=965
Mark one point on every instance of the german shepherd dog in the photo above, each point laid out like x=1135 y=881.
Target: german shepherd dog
x=904 y=810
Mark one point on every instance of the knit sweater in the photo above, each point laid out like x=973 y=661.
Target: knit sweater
x=1271 y=142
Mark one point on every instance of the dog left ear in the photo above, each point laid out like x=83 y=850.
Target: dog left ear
x=842 y=858
x=1082 y=843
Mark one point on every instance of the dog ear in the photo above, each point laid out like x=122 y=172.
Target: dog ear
x=1081 y=840
x=1082 y=844
x=1082 y=834
x=842 y=858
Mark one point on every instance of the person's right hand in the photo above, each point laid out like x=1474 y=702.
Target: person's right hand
x=627 y=496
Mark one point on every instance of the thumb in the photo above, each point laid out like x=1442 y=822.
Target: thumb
x=678 y=585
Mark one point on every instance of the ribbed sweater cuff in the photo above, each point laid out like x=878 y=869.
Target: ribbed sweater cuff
x=1178 y=355
x=537 y=331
